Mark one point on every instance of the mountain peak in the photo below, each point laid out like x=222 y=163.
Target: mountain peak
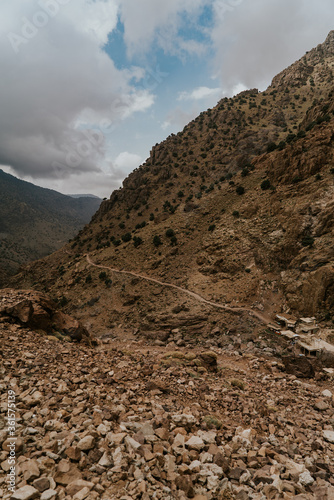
x=329 y=42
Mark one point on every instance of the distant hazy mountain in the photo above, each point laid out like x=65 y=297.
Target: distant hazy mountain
x=35 y=221
x=84 y=196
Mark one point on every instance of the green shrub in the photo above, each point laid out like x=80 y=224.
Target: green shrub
x=265 y=185
x=63 y=301
x=137 y=241
x=126 y=237
x=170 y=233
x=89 y=278
x=238 y=383
x=173 y=240
x=240 y=190
x=103 y=275
x=212 y=227
x=212 y=421
x=157 y=241
x=290 y=138
x=236 y=213
x=271 y=147
x=307 y=241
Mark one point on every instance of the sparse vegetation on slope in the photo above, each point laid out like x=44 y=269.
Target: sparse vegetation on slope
x=245 y=186
x=35 y=222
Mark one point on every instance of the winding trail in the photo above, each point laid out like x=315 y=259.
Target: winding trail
x=194 y=295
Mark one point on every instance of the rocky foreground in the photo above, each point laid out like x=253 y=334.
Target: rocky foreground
x=126 y=420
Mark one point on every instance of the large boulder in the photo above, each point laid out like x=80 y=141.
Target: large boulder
x=300 y=366
x=37 y=311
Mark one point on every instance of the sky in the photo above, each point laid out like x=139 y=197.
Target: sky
x=87 y=87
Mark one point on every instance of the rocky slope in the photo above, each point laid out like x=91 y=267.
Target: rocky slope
x=237 y=208
x=128 y=420
x=35 y=222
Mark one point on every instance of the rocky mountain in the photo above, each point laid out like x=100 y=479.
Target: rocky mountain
x=189 y=391
x=35 y=222
x=236 y=208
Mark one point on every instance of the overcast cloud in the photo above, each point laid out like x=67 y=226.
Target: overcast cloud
x=257 y=39
x=62 y=97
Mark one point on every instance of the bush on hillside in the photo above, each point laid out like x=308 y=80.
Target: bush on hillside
x=157 y=241
x=126 y=237
x=240 y=190
x=170 y=233
x=265 y=185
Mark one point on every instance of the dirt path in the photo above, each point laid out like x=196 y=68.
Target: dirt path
x=194 y=295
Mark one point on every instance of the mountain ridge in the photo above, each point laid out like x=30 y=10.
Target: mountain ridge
x=36 y=221
x=211 y=209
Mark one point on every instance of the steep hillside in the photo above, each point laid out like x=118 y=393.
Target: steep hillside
x=236 y=208
x=35 y=222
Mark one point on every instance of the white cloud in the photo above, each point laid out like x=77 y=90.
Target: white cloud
x=254 y=40
x=178 y=118
x=240 y=87
x=57 y=80
x=199 y=93
x=127 y=161
x=95 y=19
x=148 y=21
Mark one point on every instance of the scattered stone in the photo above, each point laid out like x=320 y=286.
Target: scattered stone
x=42 y=484
x=86 y=443
x=329 y=436
x=326 y=393
x=195 y=443
x=89 y=429
x=306 y=479
x=25 y=493
x=321 y=405
x=49 y=495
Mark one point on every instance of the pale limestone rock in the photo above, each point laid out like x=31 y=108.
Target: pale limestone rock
x=305 y=478
x=195 y=443
x=49 y=495
x=25 y=493
x=329 y=436
x=86 y=443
